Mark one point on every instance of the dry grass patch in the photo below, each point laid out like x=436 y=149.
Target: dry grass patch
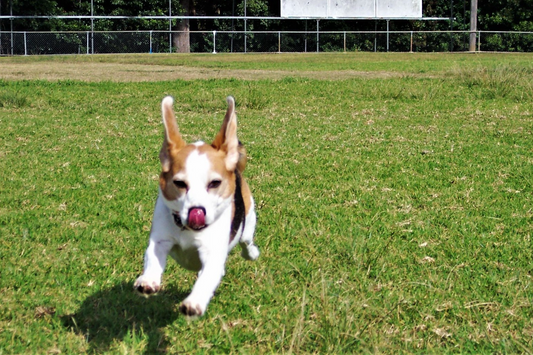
x=129 y=72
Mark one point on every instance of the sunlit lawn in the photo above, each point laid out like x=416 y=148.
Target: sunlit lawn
x=395 y=214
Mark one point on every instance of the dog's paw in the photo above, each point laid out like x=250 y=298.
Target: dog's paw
x=191 y=309
x=250 y=251
x=145 y=286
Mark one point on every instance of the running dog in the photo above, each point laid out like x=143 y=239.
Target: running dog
x=203 y=210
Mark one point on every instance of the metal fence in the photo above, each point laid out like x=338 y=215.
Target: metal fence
x=87 y=42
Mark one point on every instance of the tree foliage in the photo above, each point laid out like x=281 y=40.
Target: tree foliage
x=495 y=15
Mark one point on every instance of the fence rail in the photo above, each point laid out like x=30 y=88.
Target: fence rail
x=92 y=42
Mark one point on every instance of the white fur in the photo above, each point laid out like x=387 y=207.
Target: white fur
x=205 y=250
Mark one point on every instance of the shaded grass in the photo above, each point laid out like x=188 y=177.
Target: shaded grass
x=395 y=215
x=12 y=99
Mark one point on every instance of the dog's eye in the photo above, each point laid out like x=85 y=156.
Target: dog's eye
x=180 y=184
x=214 y=184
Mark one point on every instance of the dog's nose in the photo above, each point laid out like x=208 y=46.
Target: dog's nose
x=196 y=218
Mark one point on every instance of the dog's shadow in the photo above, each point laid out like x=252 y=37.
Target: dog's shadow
x=117 y=313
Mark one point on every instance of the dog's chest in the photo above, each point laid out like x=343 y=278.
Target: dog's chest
x=187 y=258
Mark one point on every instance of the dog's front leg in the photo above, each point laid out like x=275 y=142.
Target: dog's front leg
x=208 y=280
x=155 y=260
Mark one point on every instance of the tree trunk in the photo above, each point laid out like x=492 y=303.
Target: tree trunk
x=182 y=40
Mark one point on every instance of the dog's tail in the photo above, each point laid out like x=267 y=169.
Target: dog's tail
x=241 y=164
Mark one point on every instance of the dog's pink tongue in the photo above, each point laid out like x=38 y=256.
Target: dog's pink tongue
x=196 y=218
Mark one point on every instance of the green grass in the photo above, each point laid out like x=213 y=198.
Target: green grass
x=394 y=215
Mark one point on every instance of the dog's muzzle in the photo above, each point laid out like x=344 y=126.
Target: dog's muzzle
x=195 y=219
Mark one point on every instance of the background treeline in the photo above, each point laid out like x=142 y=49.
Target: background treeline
x=495 y=15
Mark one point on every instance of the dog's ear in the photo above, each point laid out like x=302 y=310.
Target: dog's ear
x=221 y=135
x=173 y=140
x=164 y=157
x=226 y=139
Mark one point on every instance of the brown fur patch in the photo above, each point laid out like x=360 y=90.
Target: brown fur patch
x=177 y=158
x=246 y=196
x=177 y=164
x=216 y=157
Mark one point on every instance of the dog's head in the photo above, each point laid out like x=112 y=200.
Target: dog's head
x=198 y=180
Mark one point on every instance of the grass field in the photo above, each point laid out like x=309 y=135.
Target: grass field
x=394 y=196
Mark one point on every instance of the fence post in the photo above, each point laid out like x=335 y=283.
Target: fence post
x=150 y=42
x=305 y=39
x=25 y=45
x=344 y=41
x=411 y=48
x=279 y=41
x=245 y=28
x=375 y=35
x=12 y=38
x=479 y=42
x=214 y=42
x=388 y=35
x=87 y=42
x=317 y=36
